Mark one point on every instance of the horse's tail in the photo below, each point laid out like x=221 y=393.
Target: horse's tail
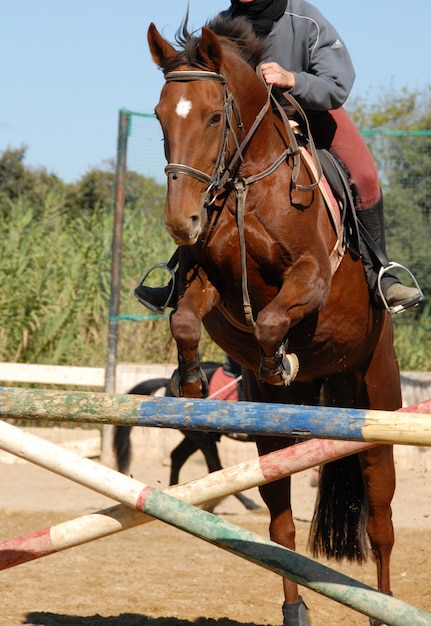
x=338 y=528
x=122 y=444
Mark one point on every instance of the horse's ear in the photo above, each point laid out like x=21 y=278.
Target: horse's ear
x=209 y=50
x=161 y=50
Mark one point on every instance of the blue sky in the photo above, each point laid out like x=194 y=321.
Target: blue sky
x=69 y=66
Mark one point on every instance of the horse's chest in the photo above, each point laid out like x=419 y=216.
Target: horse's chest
x=254 y=252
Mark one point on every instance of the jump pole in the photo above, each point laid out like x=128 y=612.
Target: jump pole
x=266 y=468
x=214 y=530
x=215 y=415
x=222 y=483
x=219 y=532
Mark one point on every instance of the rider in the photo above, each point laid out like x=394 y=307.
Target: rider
x=306 y=56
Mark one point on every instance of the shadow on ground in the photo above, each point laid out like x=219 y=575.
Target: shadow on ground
x=125 y=619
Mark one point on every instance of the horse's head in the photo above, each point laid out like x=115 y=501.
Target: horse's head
x=201 y=126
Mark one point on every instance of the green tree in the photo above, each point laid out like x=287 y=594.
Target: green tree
x=392 y=110
x=19 y=182
x=92 y=191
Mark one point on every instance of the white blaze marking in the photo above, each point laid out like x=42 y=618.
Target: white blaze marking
x=183 y=107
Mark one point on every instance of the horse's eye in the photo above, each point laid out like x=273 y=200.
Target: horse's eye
x=215 y=119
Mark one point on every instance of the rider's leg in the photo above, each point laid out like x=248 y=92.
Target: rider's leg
x=396 y=294
x=335 y=131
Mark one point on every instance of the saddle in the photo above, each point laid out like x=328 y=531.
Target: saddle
x=337 y=177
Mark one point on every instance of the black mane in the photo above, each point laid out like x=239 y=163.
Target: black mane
x=236 y=33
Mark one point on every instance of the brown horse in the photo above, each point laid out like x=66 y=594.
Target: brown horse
x=256 y=268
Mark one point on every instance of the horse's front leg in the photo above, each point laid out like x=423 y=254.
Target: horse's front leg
x=189 y=380
x=305 y=290
x=277 y=494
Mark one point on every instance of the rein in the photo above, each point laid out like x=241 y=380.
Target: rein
x=224 y=174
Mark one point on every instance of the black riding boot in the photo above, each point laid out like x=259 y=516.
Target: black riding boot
x=398 y=297
x=157 y=299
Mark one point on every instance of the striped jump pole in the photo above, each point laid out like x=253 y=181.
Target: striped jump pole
x=266 y=468
x=214 y=530
x=220 y=484
x=215 y=415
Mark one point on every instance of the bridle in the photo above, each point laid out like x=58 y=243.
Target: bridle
x=224 y=173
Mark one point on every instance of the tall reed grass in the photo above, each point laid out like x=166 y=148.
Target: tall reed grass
x=55 y=285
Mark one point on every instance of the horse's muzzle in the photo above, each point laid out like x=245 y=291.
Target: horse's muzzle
x=185 y=227
x=184 y=237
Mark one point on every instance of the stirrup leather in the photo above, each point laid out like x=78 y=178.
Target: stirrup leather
x=153 y=307
x=400 y=307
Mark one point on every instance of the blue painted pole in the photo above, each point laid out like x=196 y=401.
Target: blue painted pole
x=215 y=415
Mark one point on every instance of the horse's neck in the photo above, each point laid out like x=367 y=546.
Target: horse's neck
x=265 y=146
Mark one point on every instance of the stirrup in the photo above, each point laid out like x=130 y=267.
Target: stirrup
x=154 y=307
x=400 y=308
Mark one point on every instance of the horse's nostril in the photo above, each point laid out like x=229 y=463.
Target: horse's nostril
x=194 y=218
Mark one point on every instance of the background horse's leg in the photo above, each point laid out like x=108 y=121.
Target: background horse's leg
x=179 y=456
x=248 y=503
x=207 y=443
x=194 y=441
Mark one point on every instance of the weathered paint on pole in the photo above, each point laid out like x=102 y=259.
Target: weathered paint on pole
x=213 y=529
x=266 y=468
x=215 y=415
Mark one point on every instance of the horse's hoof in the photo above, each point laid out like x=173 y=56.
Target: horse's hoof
x=295 y=614
x=189 y=385
x=280 y=369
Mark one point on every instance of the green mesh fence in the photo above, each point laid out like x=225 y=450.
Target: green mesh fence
x=145 y=154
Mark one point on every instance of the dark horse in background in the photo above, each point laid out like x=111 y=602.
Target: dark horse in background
x=192 y=440
x=256 y=268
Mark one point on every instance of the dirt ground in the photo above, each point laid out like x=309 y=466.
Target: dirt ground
x=155 y=575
